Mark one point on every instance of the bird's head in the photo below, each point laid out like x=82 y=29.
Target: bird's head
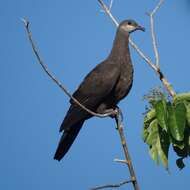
x=130 y=26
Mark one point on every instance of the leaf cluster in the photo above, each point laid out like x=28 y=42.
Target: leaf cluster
x=167 y=124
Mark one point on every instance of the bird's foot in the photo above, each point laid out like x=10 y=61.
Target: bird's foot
x=115 y=113
x=119 y=113
x=112 y=112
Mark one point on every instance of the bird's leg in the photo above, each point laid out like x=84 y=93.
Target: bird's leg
x=118 y=116
x=117 y=122
x=119 y=112
x=116 y=113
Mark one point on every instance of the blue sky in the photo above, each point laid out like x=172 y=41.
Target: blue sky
x=74 y=36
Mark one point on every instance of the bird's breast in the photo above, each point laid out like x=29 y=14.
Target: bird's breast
x=125 y=82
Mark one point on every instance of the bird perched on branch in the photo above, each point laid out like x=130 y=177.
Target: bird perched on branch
x=102 y=89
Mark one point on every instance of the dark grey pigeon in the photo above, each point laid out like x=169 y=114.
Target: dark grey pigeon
x=102 y=89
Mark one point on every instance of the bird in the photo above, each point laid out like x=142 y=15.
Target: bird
x=102 y=88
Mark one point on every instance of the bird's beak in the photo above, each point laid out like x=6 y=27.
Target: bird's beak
x=141 y=28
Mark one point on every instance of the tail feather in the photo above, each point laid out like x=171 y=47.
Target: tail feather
x=67 y=140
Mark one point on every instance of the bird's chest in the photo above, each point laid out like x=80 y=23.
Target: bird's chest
x=125 y=81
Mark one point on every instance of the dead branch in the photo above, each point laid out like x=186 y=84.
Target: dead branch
x=112 y=185
x=153 y=34
x=120 y=161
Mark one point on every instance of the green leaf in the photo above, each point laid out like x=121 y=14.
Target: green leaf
x=164 y=149
x=181 y=97
x=145 y=134
x=177 y=120
x=161 y=113
x=159 y=142
x=153 y=132
x=183 y=151
x=149 y=116
x=187 y=105
x=154 y=154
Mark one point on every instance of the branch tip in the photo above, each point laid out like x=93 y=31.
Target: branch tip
x=113 y=185
x=121 y=161
x=25 y=21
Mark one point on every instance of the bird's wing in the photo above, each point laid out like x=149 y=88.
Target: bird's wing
x=92 y=91
x=98 y=83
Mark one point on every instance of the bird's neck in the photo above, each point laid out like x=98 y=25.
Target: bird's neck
x=120 y=47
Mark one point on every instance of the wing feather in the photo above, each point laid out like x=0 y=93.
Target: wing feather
x=95 y=87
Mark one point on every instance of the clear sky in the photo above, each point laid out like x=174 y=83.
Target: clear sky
x=73 y=36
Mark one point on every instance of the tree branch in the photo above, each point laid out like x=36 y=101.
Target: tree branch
x=111 y=4
x=128 y=161
x=157 y=70
x=120 y=161
x=153 y=34
x=125 y=150
x=45 y=68
x=108 y=12
x=112 y=185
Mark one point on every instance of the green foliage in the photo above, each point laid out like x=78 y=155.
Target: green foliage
x=167 y=124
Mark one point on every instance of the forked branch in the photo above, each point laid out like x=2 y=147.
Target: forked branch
x=153 y=34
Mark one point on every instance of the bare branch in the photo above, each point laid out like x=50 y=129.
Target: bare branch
x=153 y=34
x=27 y=26
x=164 y=81
x=108 y=12
x=125 y=150
x=111 y=4
x=128 y=161
x=112 y=185
x=120 y=161
x=157 y=7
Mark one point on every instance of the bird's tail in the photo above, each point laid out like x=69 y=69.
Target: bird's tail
x=67 y=140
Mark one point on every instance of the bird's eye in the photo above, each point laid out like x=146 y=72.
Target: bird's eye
x=129 y=23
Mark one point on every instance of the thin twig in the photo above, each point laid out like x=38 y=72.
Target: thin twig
x=165 y=82
x=157 y=7
x=111 y=4
x=120 y=161
x=108 y=12
x=154 y=42
x=153 y=34
x=112 y=185
x=29 y=33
